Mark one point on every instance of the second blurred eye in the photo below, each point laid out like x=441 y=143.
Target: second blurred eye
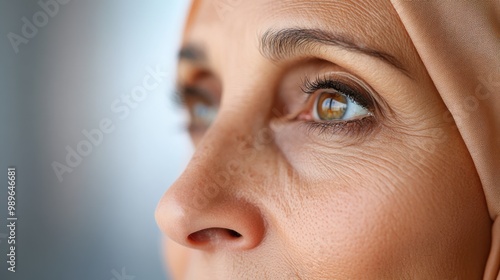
x=200 y=93
x=202 y=114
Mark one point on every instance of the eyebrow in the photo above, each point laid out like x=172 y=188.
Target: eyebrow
x=280 y=44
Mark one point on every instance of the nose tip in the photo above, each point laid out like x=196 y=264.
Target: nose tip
x=222 y=223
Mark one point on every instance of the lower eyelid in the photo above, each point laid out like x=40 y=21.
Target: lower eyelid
x=355 y=129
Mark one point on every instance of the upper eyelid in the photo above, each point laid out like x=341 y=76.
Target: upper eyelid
x=181 y=92
x=198 y=91
x=199 y=81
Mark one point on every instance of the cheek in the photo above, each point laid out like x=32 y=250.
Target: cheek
x=383 y=209
x=343 y=229
x=361 y=231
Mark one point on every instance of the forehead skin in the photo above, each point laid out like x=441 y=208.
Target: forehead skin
x=373 y=24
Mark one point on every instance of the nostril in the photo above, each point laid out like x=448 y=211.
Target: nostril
x=233 y=233
x=214 y=235
x=228 y=223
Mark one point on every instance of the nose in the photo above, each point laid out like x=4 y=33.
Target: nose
x=206 y=208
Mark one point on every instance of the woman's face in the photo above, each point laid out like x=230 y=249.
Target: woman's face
x=323 y=150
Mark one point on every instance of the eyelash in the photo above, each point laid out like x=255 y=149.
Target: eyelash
x=181 y=93
x=352 y=127
x=325 y=82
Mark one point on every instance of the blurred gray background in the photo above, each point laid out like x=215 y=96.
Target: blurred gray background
x=85 y=58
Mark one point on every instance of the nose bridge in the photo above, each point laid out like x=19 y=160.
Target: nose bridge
x=224 y=157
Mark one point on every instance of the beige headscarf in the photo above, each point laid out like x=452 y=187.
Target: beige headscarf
x=459 y=44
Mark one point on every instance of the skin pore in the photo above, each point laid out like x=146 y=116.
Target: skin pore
x=323 y=151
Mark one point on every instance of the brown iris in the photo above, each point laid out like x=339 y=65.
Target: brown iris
x=331 y=106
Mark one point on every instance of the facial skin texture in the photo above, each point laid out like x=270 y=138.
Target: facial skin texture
x=394 y=197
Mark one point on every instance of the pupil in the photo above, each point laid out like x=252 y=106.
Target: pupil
x=331 y=106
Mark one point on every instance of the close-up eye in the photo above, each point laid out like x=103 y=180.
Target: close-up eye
x=331 y=105
x=338 y=97
x=339 y=102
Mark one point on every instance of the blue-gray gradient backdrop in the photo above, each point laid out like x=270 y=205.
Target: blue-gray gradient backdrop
x=88 y=65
